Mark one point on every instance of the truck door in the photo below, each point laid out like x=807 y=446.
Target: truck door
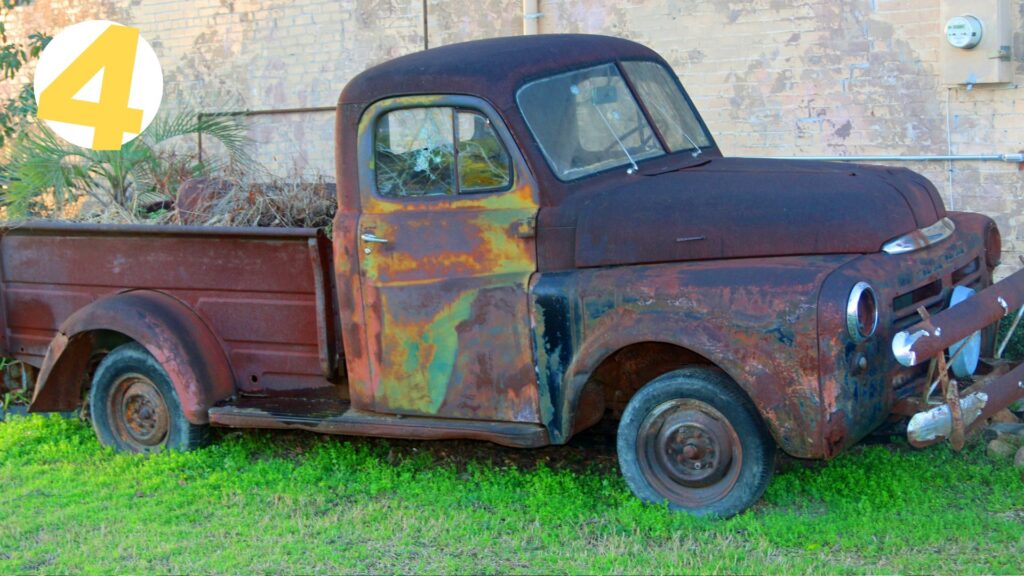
x=446 y=241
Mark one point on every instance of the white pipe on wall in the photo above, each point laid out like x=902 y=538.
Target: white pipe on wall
x=531 y=13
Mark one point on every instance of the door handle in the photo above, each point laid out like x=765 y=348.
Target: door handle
x=371 y=237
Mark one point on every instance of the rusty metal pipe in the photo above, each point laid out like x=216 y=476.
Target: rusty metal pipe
x=932 y=426
x=920 y=342
x=1001 y=393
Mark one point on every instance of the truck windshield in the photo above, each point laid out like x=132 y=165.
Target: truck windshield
x=588 y=120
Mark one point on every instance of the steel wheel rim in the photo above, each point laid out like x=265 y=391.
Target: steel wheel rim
x=138 y=413
x=689 y=452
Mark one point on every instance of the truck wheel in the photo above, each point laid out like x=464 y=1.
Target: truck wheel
x=693 y=439
x=134 y=406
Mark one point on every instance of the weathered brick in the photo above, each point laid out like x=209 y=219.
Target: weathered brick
x=779 y=77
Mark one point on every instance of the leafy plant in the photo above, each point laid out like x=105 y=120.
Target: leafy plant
x=1015 y=347
x=20 y=397
x=17 y=111
x=43 y=169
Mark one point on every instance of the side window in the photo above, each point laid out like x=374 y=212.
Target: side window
x=483 y=161
x=416 y=155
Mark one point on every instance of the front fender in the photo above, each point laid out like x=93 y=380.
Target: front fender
x=172 y=332
x=755 y=319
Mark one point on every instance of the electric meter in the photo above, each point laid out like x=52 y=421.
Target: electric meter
x=964 y=32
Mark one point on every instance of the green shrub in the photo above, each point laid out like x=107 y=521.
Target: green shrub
x=46 y=173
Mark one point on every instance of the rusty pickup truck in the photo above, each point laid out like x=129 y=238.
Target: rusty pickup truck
x=534 y=234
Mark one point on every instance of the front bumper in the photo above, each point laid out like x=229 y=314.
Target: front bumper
x=931 y=337
x=861 y=383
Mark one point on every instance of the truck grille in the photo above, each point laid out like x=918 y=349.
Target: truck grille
x=934 y=296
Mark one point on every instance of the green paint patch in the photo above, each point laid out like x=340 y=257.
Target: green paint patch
x=291 y=503
x=444 y=340
x=430 y=355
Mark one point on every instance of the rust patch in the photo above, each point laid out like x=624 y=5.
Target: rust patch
x=444 y=300
x=756 y=319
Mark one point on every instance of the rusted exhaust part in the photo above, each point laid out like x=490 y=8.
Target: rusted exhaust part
x=932 y=426
x=923 y=341
x=18 y=377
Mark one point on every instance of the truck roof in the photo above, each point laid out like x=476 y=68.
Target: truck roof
x=491 y=69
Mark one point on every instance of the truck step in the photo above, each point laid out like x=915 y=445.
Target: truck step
x=322 y=412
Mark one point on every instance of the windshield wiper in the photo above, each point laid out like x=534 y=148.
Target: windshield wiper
x=634 y=167
x=680 y=168
x=696 y=149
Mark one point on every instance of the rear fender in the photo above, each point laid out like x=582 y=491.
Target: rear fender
x=172 y=332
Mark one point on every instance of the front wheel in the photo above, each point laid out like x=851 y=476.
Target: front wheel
x=134 y=406
x=693 y=439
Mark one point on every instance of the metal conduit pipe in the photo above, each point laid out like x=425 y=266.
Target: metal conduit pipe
x=531 y=13
x=264 y=112
x=1011 y=158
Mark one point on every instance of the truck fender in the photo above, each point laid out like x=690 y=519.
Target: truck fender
x=168 y=329
x=619 y=330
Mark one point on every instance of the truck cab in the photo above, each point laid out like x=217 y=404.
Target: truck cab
x=534 y=234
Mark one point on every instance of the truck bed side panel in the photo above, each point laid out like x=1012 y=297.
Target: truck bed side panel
x=255 y=289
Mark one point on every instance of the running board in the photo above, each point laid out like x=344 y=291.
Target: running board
x=352 y=422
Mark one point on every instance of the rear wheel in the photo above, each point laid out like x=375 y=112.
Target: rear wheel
x=134 y=407
x=693 y=439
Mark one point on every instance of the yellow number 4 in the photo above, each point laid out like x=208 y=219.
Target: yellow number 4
x=113 y=52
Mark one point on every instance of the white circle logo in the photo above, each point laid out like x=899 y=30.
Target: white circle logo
x=98 y=84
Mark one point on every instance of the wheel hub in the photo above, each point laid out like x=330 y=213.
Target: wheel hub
x=689 y=452
x=693 y=448
x=139 y=413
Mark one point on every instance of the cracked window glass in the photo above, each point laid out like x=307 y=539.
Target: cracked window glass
x=414 y=153
x=483 y=161
x=669 y=109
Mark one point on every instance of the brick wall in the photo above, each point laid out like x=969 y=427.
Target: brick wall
x=772 y=77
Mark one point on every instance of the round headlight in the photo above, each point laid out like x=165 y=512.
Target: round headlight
x=993 y=246
x=862 y=312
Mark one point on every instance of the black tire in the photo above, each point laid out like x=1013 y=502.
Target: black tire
x=681 y=436
x=134 y=406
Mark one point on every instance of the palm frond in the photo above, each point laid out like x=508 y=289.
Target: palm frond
x=39 y=164
x=225 y=128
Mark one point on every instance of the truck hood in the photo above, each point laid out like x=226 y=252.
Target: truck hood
x=742 y=208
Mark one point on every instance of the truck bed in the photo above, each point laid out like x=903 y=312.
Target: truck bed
x=267 y=293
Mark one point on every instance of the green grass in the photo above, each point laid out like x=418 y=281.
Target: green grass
x=1015 y=347
x=296 y=503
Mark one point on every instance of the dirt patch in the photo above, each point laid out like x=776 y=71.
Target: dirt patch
x=591 y=451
